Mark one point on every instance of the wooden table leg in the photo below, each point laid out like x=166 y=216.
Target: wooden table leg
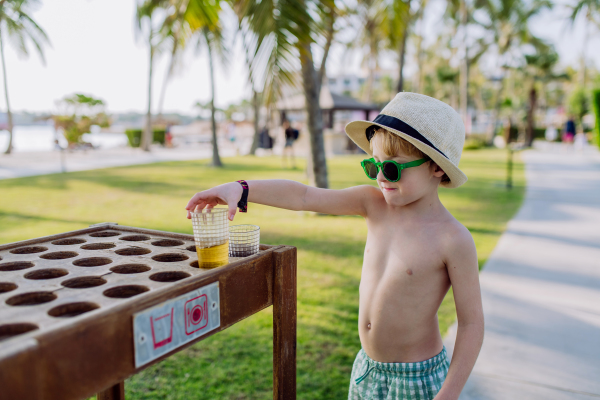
x=284 y=324
x=115 y=392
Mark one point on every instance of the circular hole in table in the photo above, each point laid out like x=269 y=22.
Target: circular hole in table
x=130 y=269
x=29 y=250
x=133 y=251
x=194 y=264
x=67 y=242
x=16 y=265
x=168 y=243
x=169 y=276
x=126 y=291
x=92 y=261
x=72 y=309
x=135 y=238
x=59 y=255
x=84 y=282
x=170 y=257
x=7 y=287
x=10 y=330
x=191 y=248
x=104 y=234
x=31 y=298
x=47 y=273
x=98 y=246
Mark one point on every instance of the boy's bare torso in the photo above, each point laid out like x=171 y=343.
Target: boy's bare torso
x=404 y=280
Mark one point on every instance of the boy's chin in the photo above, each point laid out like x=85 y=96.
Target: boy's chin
x=395 y=198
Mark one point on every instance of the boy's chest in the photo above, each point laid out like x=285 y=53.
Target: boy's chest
x=404 y=254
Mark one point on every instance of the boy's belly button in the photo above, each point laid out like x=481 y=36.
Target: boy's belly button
x=369 y=325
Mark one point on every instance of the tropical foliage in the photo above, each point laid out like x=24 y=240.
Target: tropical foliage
x=19 y=28
x=77 y=114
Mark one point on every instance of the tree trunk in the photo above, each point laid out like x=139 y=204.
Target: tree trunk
x=216 y=160
x=161 y=98
x=492 y=129
x=147 y=135
x=464 y=63
x=163 y=91
x=256 y=138
x=401 y=55
x=329 y=40
x=8 y=112
x=371 y=75
x=530 y=116
x=583 y=71
x=315 y=117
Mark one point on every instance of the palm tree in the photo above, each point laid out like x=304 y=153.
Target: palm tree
x=213 y=40
x=256 y=108
x=278 y=37
x=508 y=20
x=539 y=68
x=197 y=22
x=171 y=31
x=371 y=38
x=20 y=27
x=396 y=25
x=145 y=11
x=591 y=8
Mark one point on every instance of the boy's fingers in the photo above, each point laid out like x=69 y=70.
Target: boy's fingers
x=196 y=199
x=232 y=209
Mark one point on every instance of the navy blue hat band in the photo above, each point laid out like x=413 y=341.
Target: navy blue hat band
x=399 y=125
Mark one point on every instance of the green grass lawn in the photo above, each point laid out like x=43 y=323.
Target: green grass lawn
x=236 y=364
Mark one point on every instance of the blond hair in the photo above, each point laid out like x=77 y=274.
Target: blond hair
x=392 y=145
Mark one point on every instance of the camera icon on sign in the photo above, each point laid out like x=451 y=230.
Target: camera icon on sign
x=196 y=314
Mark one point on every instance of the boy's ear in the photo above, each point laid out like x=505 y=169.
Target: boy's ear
x=437 y=171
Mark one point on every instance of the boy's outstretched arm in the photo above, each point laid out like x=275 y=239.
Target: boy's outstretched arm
x=286 y=194
x=463 y=271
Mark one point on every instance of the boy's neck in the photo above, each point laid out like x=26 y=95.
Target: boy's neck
x=428 y=205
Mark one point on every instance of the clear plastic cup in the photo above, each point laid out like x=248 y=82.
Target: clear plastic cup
x=211 y=234
x=244 y=240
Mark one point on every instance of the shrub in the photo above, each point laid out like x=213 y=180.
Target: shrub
x=596 y=106
x=134 y=136
x=474 y=143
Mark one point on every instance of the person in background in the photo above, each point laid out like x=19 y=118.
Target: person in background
x=265 y=141
x=569 y=130
x=168 y=137
x=288 y=150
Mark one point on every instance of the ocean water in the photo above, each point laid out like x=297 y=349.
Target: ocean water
x=28 y=138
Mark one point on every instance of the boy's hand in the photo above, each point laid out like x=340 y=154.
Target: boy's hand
x=227 y=194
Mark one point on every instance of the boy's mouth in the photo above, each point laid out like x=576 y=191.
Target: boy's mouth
x=386 y=189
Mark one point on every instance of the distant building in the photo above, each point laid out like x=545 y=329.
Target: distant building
x=345 y=84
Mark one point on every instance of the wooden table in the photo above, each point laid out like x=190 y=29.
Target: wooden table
x=75 y=308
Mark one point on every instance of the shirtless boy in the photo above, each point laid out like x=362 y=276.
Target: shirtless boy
x=415 y=249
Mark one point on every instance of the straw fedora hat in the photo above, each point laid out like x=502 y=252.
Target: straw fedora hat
x=429 y=124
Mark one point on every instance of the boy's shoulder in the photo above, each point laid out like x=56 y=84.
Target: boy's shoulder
x=456 y=238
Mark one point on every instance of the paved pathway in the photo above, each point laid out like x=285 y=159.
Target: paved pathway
x=49 y=162
x=541 y=288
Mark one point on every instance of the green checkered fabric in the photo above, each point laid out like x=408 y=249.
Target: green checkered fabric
x=373 y=380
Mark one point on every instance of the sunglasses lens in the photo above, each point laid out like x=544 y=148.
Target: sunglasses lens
x=391 y=172
x=371 y=169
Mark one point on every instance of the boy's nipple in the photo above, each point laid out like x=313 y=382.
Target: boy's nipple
x=409 y=271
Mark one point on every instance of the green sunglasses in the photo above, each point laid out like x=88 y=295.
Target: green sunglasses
x=391 y=169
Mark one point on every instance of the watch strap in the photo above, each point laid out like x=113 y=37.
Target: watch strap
x=243 y=203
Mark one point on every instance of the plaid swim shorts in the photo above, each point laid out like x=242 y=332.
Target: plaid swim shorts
x=373 y=380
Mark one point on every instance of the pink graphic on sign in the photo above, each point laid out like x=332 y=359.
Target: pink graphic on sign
x=196 y=314
x=164 y=335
